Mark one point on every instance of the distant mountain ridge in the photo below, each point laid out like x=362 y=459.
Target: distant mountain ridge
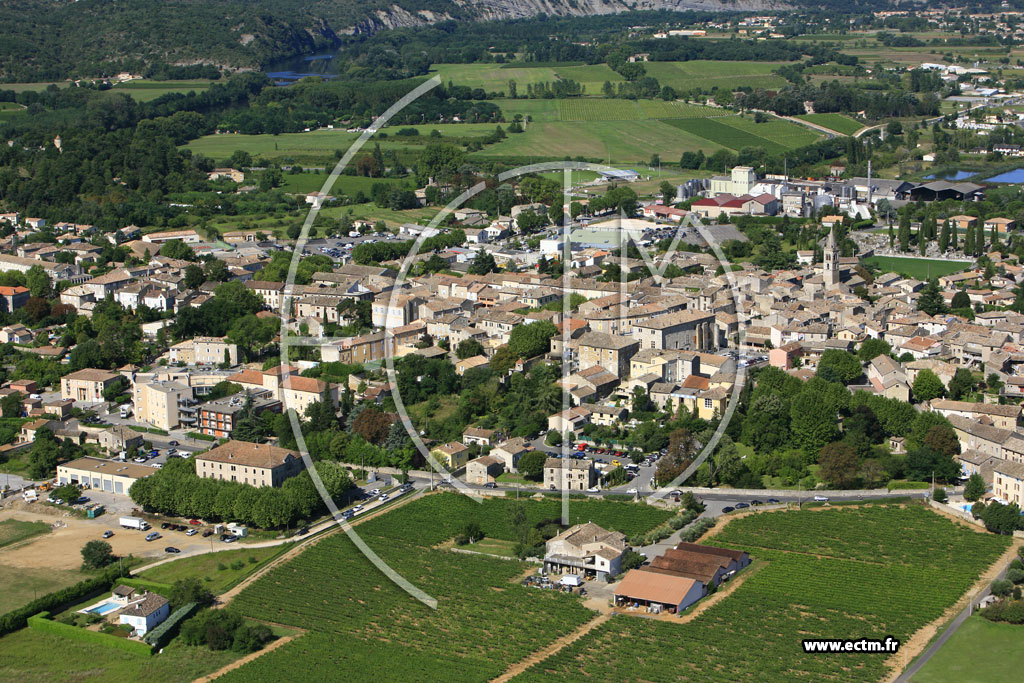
x=55 y=39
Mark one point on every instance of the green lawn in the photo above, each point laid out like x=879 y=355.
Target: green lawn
x=919 y=268
x=492 y=546
x=371 y=212
x=304 y=183
x=215 y=570
x=13 y=530
x=31 y=87
x=837 y=122
x=979 y=652
x=21 y=586
x=32 y=656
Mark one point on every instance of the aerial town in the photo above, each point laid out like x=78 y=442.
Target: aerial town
x=653 y=333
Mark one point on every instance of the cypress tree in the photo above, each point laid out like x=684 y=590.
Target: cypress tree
x=944 y=236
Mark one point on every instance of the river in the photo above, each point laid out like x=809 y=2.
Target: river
x=287 y=71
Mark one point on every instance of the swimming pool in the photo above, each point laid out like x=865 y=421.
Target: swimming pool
x=102 y=608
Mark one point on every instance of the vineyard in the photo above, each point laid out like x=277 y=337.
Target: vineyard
x=851 y=573
x=736 y=132
x=484 y=620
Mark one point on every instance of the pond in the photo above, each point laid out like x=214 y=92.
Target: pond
x=287 y=71
x=1014 y=176
x=950 y=175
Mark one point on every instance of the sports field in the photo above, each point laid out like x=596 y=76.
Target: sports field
x=837 y=122
x=918 y=268
x=708 y=74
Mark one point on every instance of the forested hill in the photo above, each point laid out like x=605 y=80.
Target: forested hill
x=56 y=39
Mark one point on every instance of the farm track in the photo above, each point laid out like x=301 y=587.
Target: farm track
x=238 y=663
x=552 y=649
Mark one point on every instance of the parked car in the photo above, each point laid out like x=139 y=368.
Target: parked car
x=303 y=531
x=152 y=536
x=773 y=501
x=633 y=490
x=490 y=485
x=140 y=459
x=165 y=525
x=171 y=549
x=821 y=499
x=108 y=533
x=229 y=538
x=195 y=522
x=207 y=533
x=728 y=508
x=191 y=532
x=740 y=506
x=593 y=489
x=173 y=443
x=756 y=502
x=357 y=509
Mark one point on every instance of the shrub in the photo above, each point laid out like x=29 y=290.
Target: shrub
x=697 y=530
x=1001 y=587
x=940 y=495
x=1015 y=576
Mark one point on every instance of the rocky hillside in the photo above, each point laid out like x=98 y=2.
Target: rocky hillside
x=56 y=39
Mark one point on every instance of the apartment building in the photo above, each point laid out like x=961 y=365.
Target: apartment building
x=218 y=418
x=165 y=404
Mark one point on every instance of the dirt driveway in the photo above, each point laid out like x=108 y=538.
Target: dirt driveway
x=61 y=548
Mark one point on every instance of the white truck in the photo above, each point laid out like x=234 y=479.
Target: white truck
x=134 y=523
x=125 y=411
x=30 y=495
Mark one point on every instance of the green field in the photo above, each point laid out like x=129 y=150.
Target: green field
x=868 y=572
x=32 y=656
x=605 y=141
x=918 y=268
x=304 y=183
x=837 y=122
x=21 y=587
x=960 y=659
x=587 y=109
x=14 y=531
x=711 y=74
x=215 y=570
x=736 y=132
x=495 y=77
x=320 y=145
x=144 y=91
x=484 y=618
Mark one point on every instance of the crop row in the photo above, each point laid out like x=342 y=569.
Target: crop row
x=756 y=633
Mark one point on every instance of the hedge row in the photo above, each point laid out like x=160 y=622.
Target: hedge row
x=163 y=589
x=42 y=622
x=201 y=437
x=163 y=633
x=18 y=618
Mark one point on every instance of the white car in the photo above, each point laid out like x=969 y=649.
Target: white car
x=357 y=509
x=633 y=490
x=383 y=497
x=593 y=489
x=821 y=499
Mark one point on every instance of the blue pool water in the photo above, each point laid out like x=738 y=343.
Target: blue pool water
x=103 y=608
x=1014 y=176
x=955 y=175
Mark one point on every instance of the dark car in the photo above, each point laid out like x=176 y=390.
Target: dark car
x=740 y=506
x=303 y=531
x=773 y=501
x=490 y=485
x=229 y=538
x=728 y=508
x=756 y=502
x=208 y=533
x=165 y=525
x=173 y=443
x=171 y=549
